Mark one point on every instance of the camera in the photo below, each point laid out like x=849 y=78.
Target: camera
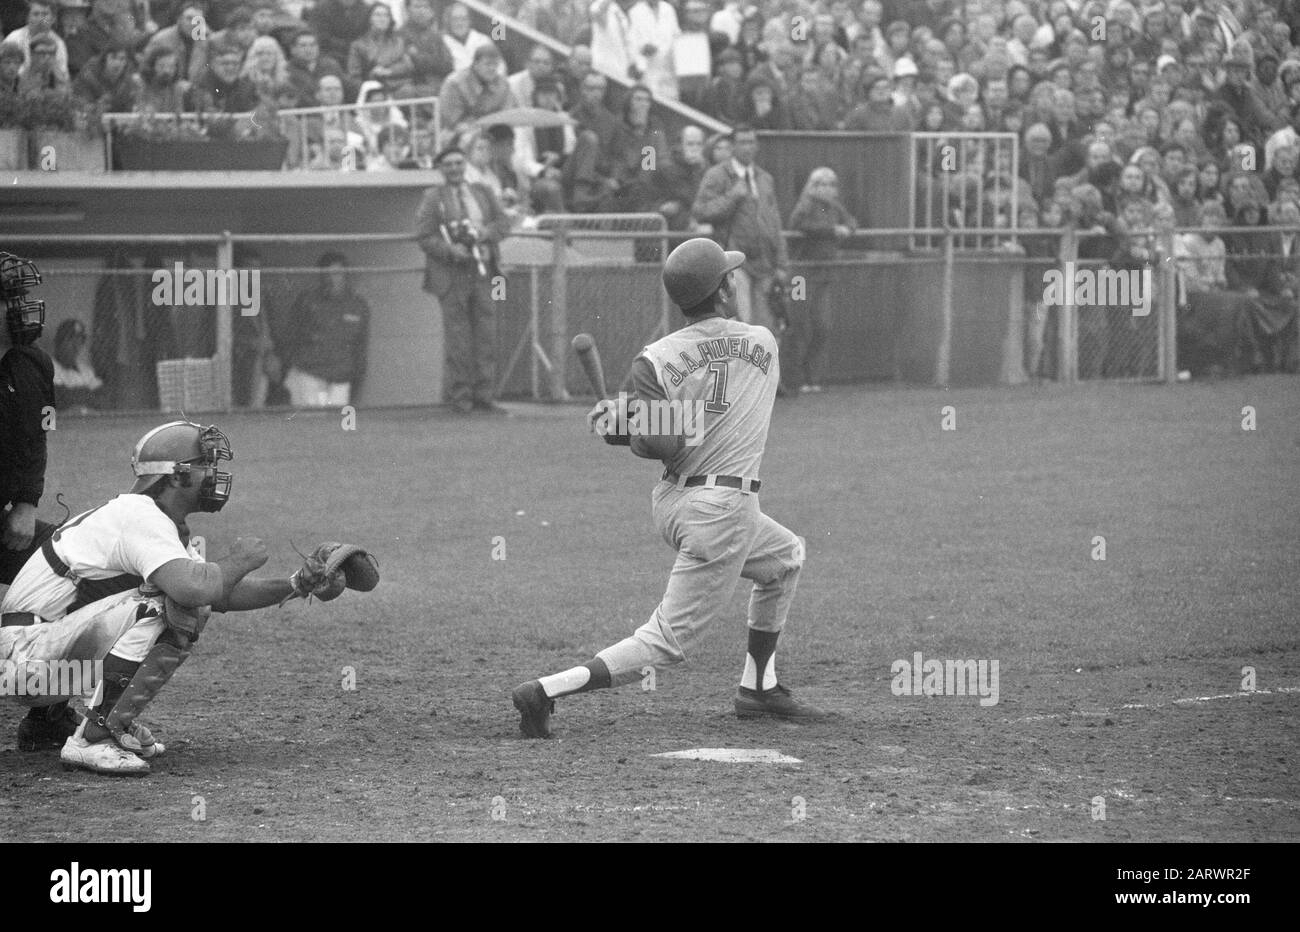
x=462 y=232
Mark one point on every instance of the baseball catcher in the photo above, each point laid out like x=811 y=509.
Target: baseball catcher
x=118 y=586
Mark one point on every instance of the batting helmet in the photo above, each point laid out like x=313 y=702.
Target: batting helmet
x=696 y=268
x=175 y=449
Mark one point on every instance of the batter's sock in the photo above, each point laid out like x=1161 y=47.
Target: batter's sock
x=117 y=675
x=760 y=656
x=591 y=675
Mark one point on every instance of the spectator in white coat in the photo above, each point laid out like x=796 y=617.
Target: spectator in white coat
x=612 y=51
x=654 y=31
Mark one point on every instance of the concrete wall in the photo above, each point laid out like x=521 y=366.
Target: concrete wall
x=406 y=332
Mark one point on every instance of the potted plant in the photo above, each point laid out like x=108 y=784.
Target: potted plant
x=13 y=137
x=62 y=134
x=208 y=142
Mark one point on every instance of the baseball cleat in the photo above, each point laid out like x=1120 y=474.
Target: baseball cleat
x=100 y=757
x=141 y=742
x=535 y=709
x=47 y=727
x=775 y=703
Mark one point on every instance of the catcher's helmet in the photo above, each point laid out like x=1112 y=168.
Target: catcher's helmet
x=177 y=448
x=696 y=268
x=25 y=317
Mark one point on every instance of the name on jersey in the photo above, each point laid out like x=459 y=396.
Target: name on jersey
x=713 y=350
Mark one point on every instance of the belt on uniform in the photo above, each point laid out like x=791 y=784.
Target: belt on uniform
x=711 y=481
x=88 y=590
x=56 y=563
x=22 y=619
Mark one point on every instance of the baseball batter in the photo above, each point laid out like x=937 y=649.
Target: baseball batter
x=706 y=504
x=117 y=585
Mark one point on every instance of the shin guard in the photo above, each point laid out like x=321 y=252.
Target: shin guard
x=171 y=650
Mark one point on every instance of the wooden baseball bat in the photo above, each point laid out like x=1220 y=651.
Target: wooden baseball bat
x=589 y=356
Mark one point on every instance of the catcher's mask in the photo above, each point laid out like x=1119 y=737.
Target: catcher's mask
x=179 y=448
x=24 y=317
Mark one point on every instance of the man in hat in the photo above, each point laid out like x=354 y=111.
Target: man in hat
x=458 y=227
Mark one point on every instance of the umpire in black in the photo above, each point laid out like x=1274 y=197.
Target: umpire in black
x=458 y=227
x=26 y=397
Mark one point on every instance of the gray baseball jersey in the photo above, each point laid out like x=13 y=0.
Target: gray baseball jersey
x=728 y=372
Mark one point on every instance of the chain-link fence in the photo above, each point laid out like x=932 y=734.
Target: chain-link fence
x=580 y=273
x=212 y=322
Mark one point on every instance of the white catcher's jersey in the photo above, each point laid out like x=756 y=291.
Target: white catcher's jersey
x=128 y=535
x=730 y=368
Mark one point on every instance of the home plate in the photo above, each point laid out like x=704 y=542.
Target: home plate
x=733 y=755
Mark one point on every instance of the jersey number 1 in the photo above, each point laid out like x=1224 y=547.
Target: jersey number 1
x=718 y=404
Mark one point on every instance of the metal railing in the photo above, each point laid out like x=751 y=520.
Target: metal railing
x=304 y=127
x=566 y=233
x=958 y=174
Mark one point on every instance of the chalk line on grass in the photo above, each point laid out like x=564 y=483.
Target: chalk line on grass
x=1189 y=700
x=733 y=755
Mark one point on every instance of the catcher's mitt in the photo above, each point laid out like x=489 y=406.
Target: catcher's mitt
x=331 y=568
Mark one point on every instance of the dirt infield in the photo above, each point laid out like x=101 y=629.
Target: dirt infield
x=1120 y=680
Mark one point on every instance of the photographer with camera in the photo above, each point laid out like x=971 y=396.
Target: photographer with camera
x=458 y=227
x=26 y=397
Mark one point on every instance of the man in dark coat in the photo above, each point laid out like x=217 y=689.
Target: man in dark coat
x=458 y=227
x=26 y=410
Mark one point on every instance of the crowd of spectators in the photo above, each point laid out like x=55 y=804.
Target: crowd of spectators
x=1124 y=108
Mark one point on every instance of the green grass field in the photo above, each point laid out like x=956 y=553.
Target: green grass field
x=1119 y=678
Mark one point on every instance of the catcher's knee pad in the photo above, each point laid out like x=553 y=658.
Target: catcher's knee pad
x=170 y=651
x=187 y=622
